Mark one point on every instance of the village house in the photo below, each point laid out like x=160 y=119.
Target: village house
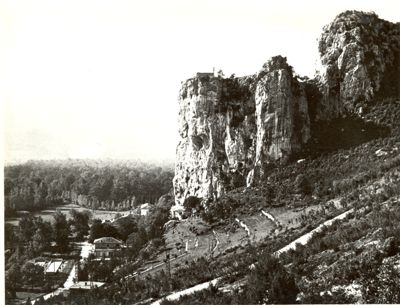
x=106 y=246
x=53 y=267
x=144 y=209
x=83 y=287
x=204 y=74
x=177 y=211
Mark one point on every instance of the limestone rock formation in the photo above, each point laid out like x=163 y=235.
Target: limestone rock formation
x=231 y=130
x=360 y=60
x=283 y=123
x=216 y=135
x=229 y=127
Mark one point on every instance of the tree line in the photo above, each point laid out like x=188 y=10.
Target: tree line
x=35 y=185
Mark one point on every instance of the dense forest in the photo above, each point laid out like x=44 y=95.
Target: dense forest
x=115 y=185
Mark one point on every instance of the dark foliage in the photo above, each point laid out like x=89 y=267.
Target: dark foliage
x=35 y=185
x=342 y=133
x=270 y=283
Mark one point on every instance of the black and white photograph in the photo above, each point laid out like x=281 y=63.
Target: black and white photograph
x=200 y=152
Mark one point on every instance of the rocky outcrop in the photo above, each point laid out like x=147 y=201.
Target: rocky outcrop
x=216 y=135
x=359 y=62
x=229 y=128
x=282 y=117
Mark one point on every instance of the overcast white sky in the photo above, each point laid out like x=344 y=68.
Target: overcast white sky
x=100 y=79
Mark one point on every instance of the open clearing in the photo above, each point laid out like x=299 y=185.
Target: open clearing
x=47 y=214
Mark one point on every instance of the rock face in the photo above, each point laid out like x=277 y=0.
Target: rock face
x=360 y=61
x=282 y=118
x=216 y=135
x=230 y=130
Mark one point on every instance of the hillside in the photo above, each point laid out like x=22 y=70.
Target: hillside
x=289 y=186
x=331 y=267
x=333 y=262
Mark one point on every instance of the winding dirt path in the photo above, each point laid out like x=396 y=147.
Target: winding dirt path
x=270 y=217
x=244 y=226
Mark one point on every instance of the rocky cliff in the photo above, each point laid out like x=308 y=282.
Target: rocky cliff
x=359 y=61
x=282 y=118
x=231 y=130
x=216 y=135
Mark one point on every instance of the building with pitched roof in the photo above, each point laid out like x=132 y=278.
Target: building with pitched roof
x=106 y=246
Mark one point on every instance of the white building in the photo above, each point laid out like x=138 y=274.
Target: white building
x=177 y=211
x=54 y=266
x=144 y=209
x=106 y=246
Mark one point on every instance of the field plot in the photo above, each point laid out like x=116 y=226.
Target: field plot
x=47 y=214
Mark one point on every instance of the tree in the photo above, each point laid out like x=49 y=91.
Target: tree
x=39 y=196
x=10 y=238
x=12 y=278
x=283 y=288
x=101 y=188
x=389 y=284
x=43 y=235
x=369 y=268
x=271 y=283
x=156 y=219
x=68 y=181
x=8 y=186
x=96 y=230
x=80 y=221
x=25 y=227
x=137 y=240
x=302 y=185
x=61 y=231
x=32 y=274
x=99 y=229
x=125 y=226
x=120 y=190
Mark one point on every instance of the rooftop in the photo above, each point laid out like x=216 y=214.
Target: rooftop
x=107 y=240
x=86 y=285
x=177 y=207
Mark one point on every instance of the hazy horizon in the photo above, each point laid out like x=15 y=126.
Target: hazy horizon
x=106 y=160
x=100 y=80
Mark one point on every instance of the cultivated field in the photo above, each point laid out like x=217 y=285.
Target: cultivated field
x=47 y=214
